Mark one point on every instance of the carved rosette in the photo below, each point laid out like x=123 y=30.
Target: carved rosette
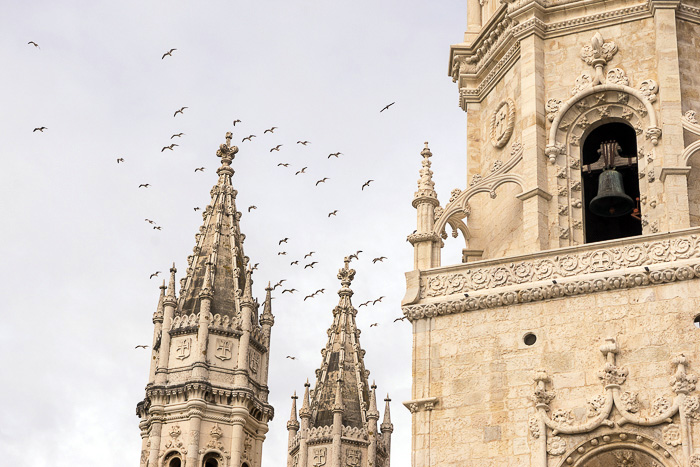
x=502 y=123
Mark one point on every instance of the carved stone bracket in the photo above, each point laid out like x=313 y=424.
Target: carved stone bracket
x=419 y=405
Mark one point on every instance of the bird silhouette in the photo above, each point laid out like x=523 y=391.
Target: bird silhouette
x=302 y=171
x=283 y=164
x=279 y=283
x=373 y=325
x=144 y=185
x=303 y=143
x=374 y=302
x=323 y=180
x=309 y=254
x=290 y=290
x=196 y=208
x=380 y=259
x=33 y=43
x=252 y=207
x=311 y=265
x=236 y=121
x=155 y=274
x=276 y=148
x=309 y=296
x=284 y=240
x=291 y=358
x=400 y=319
x=281 y=253
x=335 y=154
x=365 y=303
x=141 y=347
x=149 y=221
x=41 y=129
x=271 y=130
x=366 y=184
x=178 y=135
x=169 y=147
x=294 y=263
x=182 y=109
x=169 y=53
x=387 y=107
x=333 y=213
x=157 y=227
x=199 y=169
x=120 y=159
x=255 y=266
x=320 y=291
x=249 y=138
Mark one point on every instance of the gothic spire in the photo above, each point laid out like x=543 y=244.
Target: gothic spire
x=158 y=315
x=170 y=297
x=293 y=423
x=426 y=186
x=305 y=411
x=386 y=425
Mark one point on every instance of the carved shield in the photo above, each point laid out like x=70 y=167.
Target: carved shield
x=320 y=456
x=254 y=362
x=184 y=348
x=353 y=457
x=223 y=349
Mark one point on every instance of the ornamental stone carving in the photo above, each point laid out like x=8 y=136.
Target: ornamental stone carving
x=617 y=76
x=595 y=406
x=630 y=401
x=184 y=348
x=320 y=456
x=672 y=434
x=552 y=107
x=556 y=446
x=502 y=123
x=353 y=457
x=562 y=417
x=660 y=405
x=583 y=82
x=598 y=51
x=223 y=349
x=690 y=117
x=691 y=407
x=534 y=425
x=649 y=89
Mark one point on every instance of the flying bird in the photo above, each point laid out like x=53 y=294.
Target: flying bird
x=155 y=274
x=236 y=121
x=374 y=302
x=333 y=213
x=364 y=304
x=380 y=259
x=366 y=184
x=271 y=130
x=281 y=253
x=279 y=284
x=335 y=154
x=373 y=325
x=291 y=358
x=400 y=319
x=303 y=143
x=196 y=208
x=33 y=43
x=283 y=164
x=178 y=135
x=302 y=171
x=310 y=265
x=284 y=240
x=141 y=347
x=249 y=138
x=179 y=111
x=120 y=159
x=199 y=169
x=323 y=180
x=144 y=185
x=252 y=207
x=309 y=296
x=294 y=263
x=149 y=221
x=255 y=266
x=289 y=290
x=41 y=129
x=320 y=291
x=386 y=107
x=157 y=227
x=276 y=148
x=309 y=254
x=169 y=147
x=169 y=53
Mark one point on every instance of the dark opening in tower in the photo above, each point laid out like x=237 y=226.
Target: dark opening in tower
x=617 y=141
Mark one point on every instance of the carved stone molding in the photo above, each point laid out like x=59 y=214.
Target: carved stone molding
x=502 y=123
x=419 y=405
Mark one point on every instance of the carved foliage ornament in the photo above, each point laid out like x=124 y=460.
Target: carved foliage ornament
x=502 y=123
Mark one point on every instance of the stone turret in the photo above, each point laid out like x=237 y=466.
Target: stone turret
x=206 y=401
x=339 y=417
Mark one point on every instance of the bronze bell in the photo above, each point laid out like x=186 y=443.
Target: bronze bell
x=611 y=200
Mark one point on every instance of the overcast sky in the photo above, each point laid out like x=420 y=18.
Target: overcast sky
x=77 y=253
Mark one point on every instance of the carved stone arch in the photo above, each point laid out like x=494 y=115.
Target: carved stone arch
x=170 y=455
x=214 y=454
x=641 y=450
x=573 y=122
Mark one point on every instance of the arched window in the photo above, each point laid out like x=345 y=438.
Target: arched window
x=621 y=167
x=175 y=462
x=211 y=460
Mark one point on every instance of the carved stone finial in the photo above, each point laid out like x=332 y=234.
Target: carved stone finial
x=541 y=395
x=345 y=274
x=426 y=186
x=597 y=55
x=682 y=382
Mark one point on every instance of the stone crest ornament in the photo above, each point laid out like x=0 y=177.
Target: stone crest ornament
x=502 y=123
x=184 y=348
x=597 y=55
x=352 y=458
x=320 y=456
x=223 y=349
x=254 y=362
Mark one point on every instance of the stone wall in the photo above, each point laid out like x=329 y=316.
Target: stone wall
x=689 y=63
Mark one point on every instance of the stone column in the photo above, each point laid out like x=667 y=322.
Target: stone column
x=169 y=310
x=195 y=425
x=259 y=444
x=157 y=420
x=238 y=421
x=671 y=143
x=337 y=433
x=532 y=117
x=200 y=370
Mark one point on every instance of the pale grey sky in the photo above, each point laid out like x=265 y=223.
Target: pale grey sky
x=77 y=252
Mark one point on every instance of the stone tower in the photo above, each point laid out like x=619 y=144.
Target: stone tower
x=568 y=335
x=339 y=416
x=206 y=398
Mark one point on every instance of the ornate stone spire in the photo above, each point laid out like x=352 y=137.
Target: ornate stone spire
x=158 y=315
x=170 y=297
x=267 y=318
x=293 y=423
x=373 y=412
x=426 y=185
x=218 y=255
x=387 y=426
x=305 y=411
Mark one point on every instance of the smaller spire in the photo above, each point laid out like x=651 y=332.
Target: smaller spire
x=267 y=318
x=248 y=290
x=158 y=315
x=170 y=298
x=387 y=426
x=293 y=423
x=305 y=411
x=207 y=291
x=338 y=403
x=373 y=412
x=426 y=185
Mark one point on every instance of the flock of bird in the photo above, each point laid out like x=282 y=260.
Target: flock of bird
x=277 y=148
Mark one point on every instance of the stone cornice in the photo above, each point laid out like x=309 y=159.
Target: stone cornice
x=616 y=264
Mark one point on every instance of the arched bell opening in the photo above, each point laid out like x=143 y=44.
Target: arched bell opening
x=173 y=459
x=212 y=460
x=610 y=183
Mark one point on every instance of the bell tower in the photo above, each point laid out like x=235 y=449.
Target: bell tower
x=568 y=334
x=206 y=399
